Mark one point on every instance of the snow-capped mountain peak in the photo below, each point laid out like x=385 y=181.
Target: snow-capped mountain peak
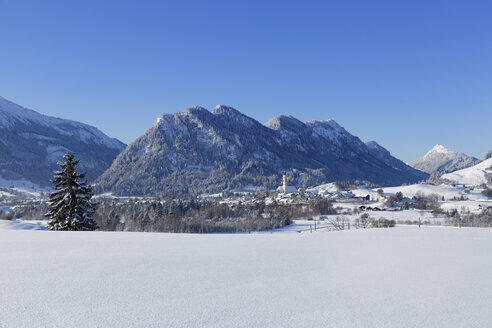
x=439 y=149
x=442 y=160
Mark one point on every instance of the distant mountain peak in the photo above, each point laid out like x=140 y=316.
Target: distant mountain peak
x=439 y=149
x=442 y=160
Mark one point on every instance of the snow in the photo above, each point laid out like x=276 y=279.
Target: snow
x=323 y=189
x=475 y=175
x=328 y=129
x=473 y=206
x=410 y=191
x=438 y=149
x=290 y=189
x=401 y=277
x=408 y=215
x=41 y=138
x=249 y=188
x=363 y=192
x=10 y=113
x=21 y=225
x=233 y=114
x=441 y=159
x=26 y=187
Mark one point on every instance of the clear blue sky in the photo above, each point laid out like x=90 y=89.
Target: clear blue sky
x=408 y=74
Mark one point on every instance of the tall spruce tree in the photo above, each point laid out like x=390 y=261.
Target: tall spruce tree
x=70 y=205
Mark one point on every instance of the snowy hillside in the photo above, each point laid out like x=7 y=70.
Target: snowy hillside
x=448 y=192
x=198 y=151
x=475 y=175
x=31 y=144
x=442 y=160
x=384 y=278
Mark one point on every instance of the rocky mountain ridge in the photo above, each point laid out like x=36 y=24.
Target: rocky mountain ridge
x=32 y=143
x=198 y=151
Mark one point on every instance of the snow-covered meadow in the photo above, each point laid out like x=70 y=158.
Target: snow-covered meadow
x=400 y=277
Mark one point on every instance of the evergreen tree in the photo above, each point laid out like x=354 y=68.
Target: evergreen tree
x=70 y=205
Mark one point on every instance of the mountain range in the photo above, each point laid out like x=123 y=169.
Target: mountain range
x=198 y=151
x=441 y=160
x=32 y=143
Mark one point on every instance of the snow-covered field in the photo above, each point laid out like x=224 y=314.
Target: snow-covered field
x=401 y=277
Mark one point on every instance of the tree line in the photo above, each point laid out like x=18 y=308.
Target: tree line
x=197 y=216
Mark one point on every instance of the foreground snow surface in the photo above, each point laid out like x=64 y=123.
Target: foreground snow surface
x=401 y=277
